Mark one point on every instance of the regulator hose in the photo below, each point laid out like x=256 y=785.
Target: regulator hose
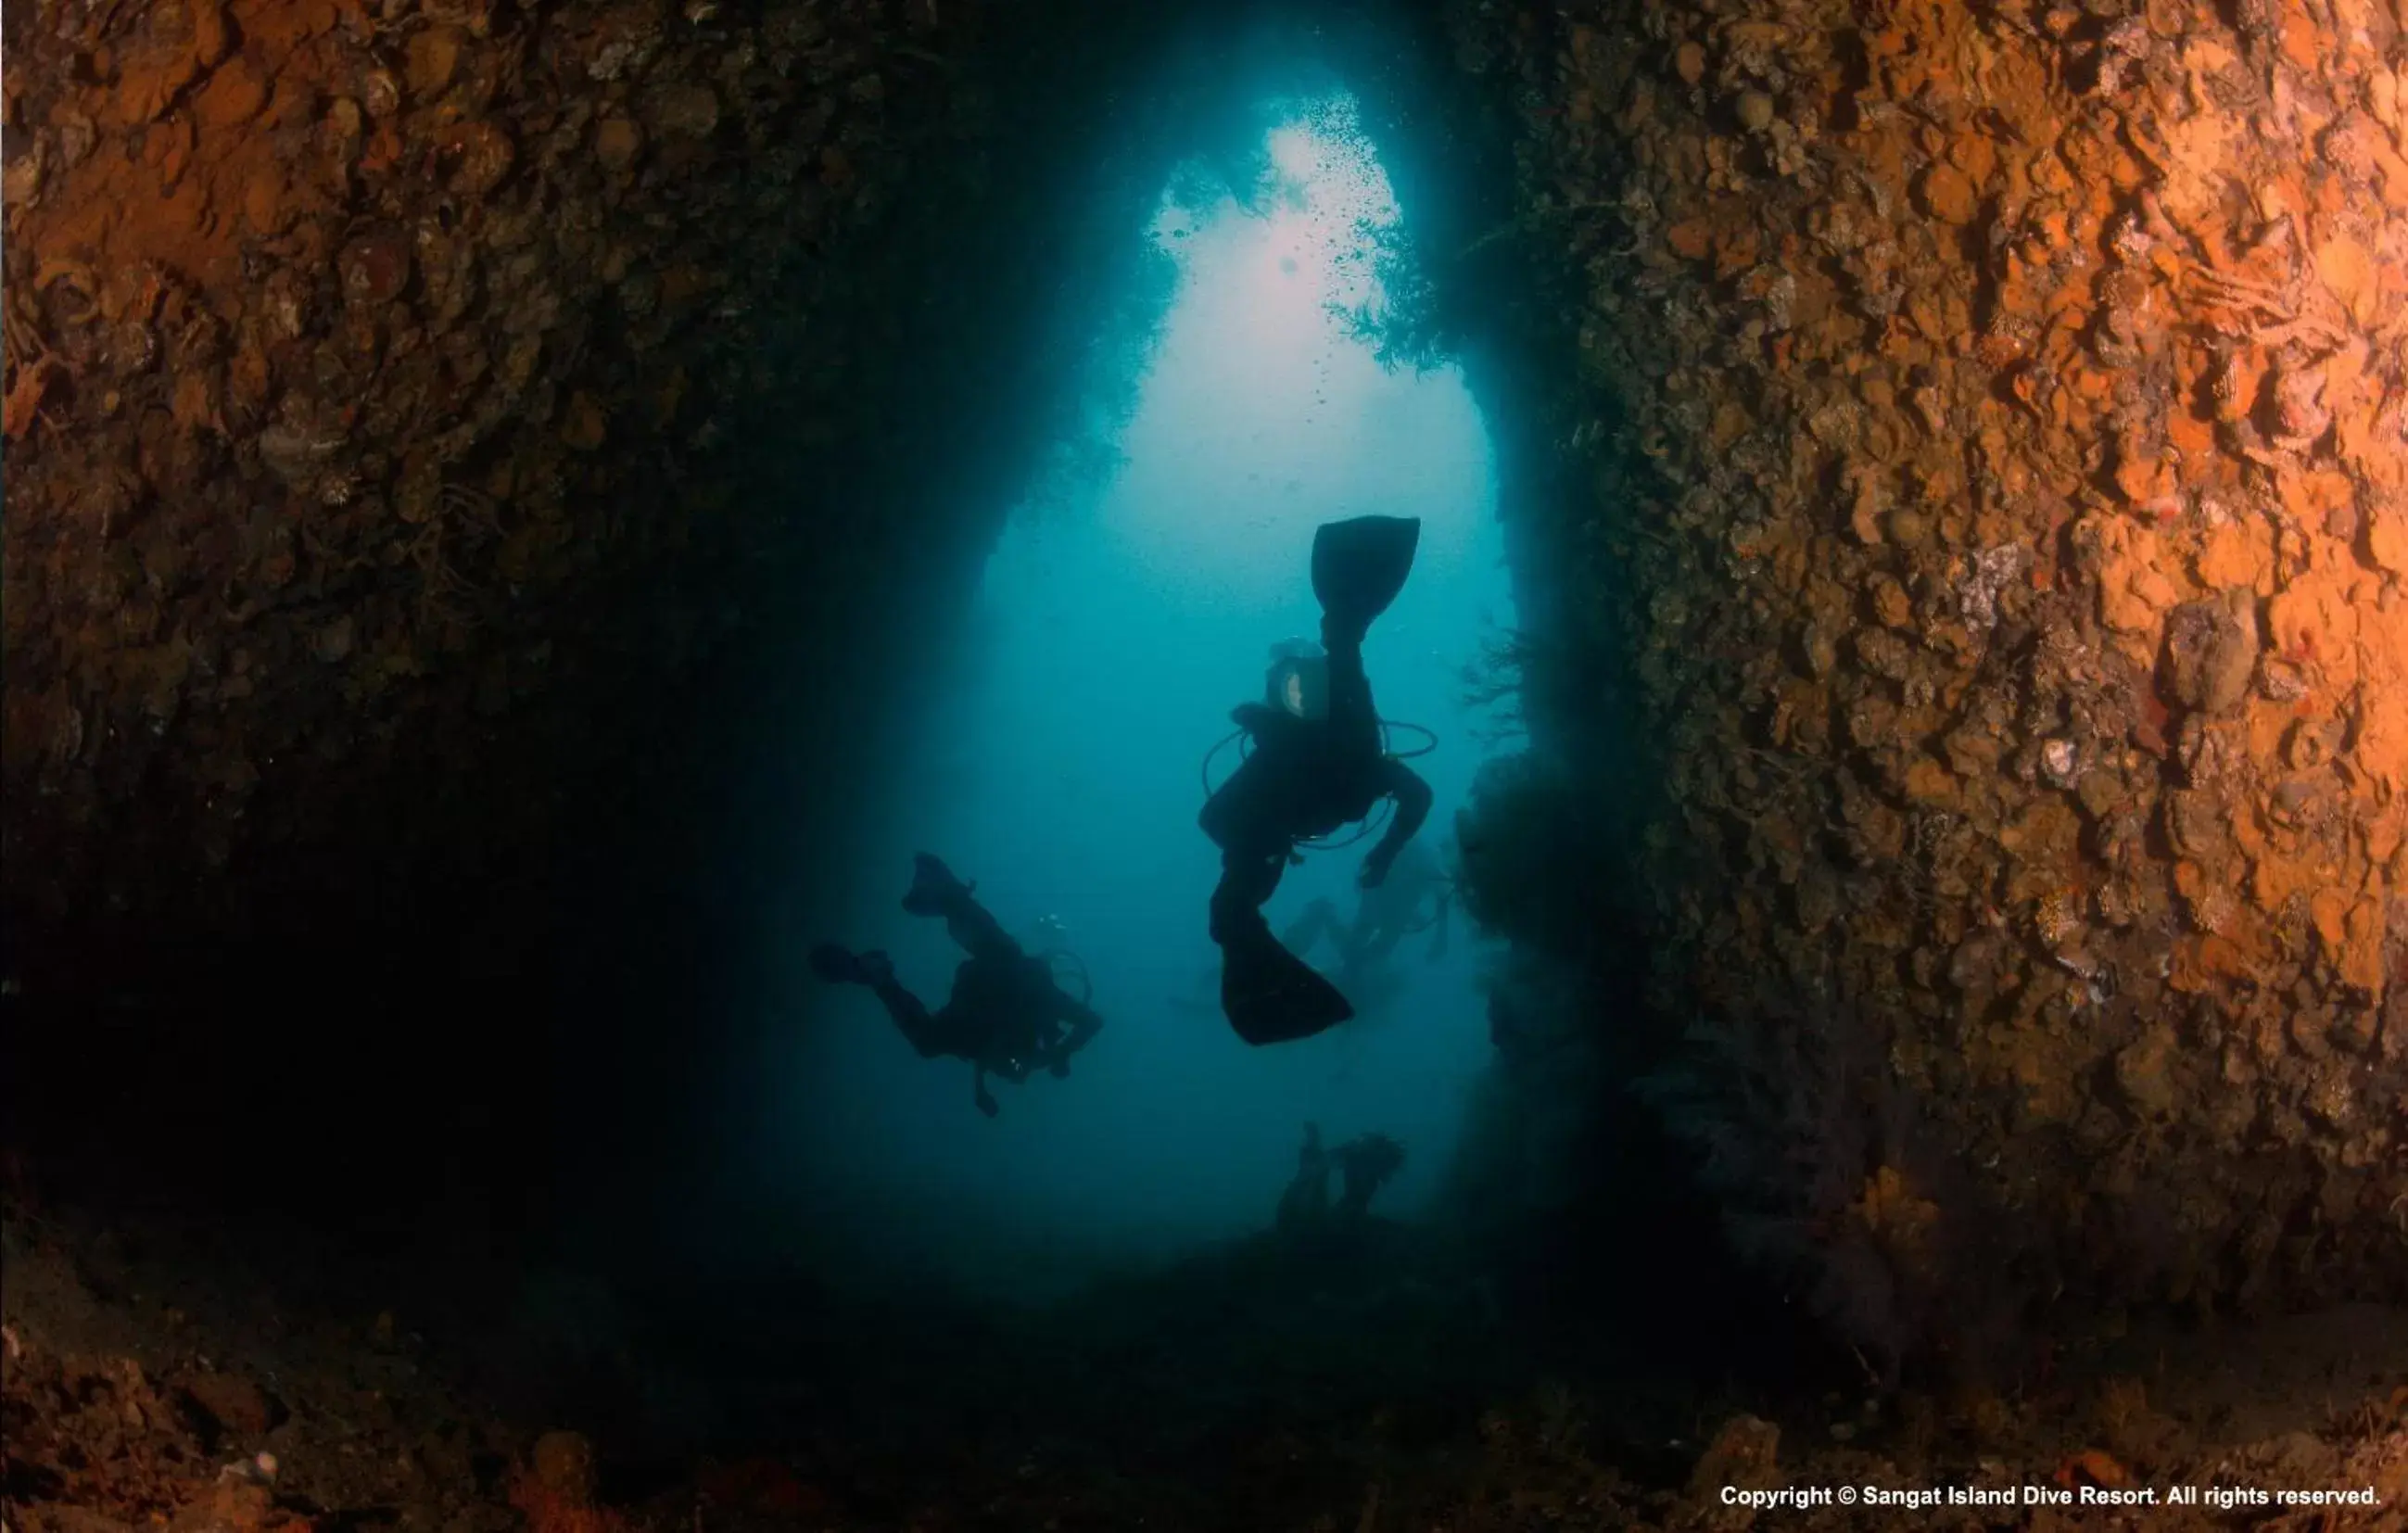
x=1054 y=960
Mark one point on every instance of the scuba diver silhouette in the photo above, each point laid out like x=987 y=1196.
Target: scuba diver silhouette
x=1007 y=1012
x=1319 y=762
x=1416 y=895
x=1364 y=1163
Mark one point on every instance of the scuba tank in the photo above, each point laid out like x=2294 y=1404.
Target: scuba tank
x=1054 y=951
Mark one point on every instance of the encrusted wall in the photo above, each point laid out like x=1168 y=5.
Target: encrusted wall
x=457 y=457
x=1997 y=426
x=353 y=349
x=364 y=360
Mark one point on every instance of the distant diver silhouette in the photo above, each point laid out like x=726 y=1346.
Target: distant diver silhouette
x=1364 y=1163
x=1008 y=1014
x=1418 y=895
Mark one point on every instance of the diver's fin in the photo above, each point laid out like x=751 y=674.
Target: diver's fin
x=1270 y=996
x=935 y=890
x=1359 y=565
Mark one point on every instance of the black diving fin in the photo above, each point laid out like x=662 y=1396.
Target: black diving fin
x=1359 y=566
x=935 y=890
x=1270 y=996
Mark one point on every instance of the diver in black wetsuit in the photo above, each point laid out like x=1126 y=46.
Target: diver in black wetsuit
x=1318 y=763
x=1007 y=1014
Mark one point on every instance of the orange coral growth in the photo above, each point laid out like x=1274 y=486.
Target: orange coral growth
x=548 y=1511
x=1893 y=1214
x=2093 y=1467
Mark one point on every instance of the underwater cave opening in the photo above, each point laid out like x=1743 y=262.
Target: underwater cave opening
x=1125 y=607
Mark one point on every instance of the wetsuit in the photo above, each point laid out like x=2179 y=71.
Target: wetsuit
x=1305 y=779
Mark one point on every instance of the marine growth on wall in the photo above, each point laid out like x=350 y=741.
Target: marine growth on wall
x=2014 y=518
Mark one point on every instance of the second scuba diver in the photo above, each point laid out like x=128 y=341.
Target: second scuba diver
x=1416 y=896
x=1319 y=762
x=1007 y=1016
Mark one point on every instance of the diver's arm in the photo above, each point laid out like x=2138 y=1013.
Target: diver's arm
x=1413 y=798
x=979 y=1093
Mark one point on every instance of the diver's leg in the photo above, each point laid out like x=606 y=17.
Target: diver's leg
x=1248 y=880
x=835 y=964
x=980 y=934
x=935 y=891
x=927 y=1031
x=1268 y=994
x=1353 y=716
